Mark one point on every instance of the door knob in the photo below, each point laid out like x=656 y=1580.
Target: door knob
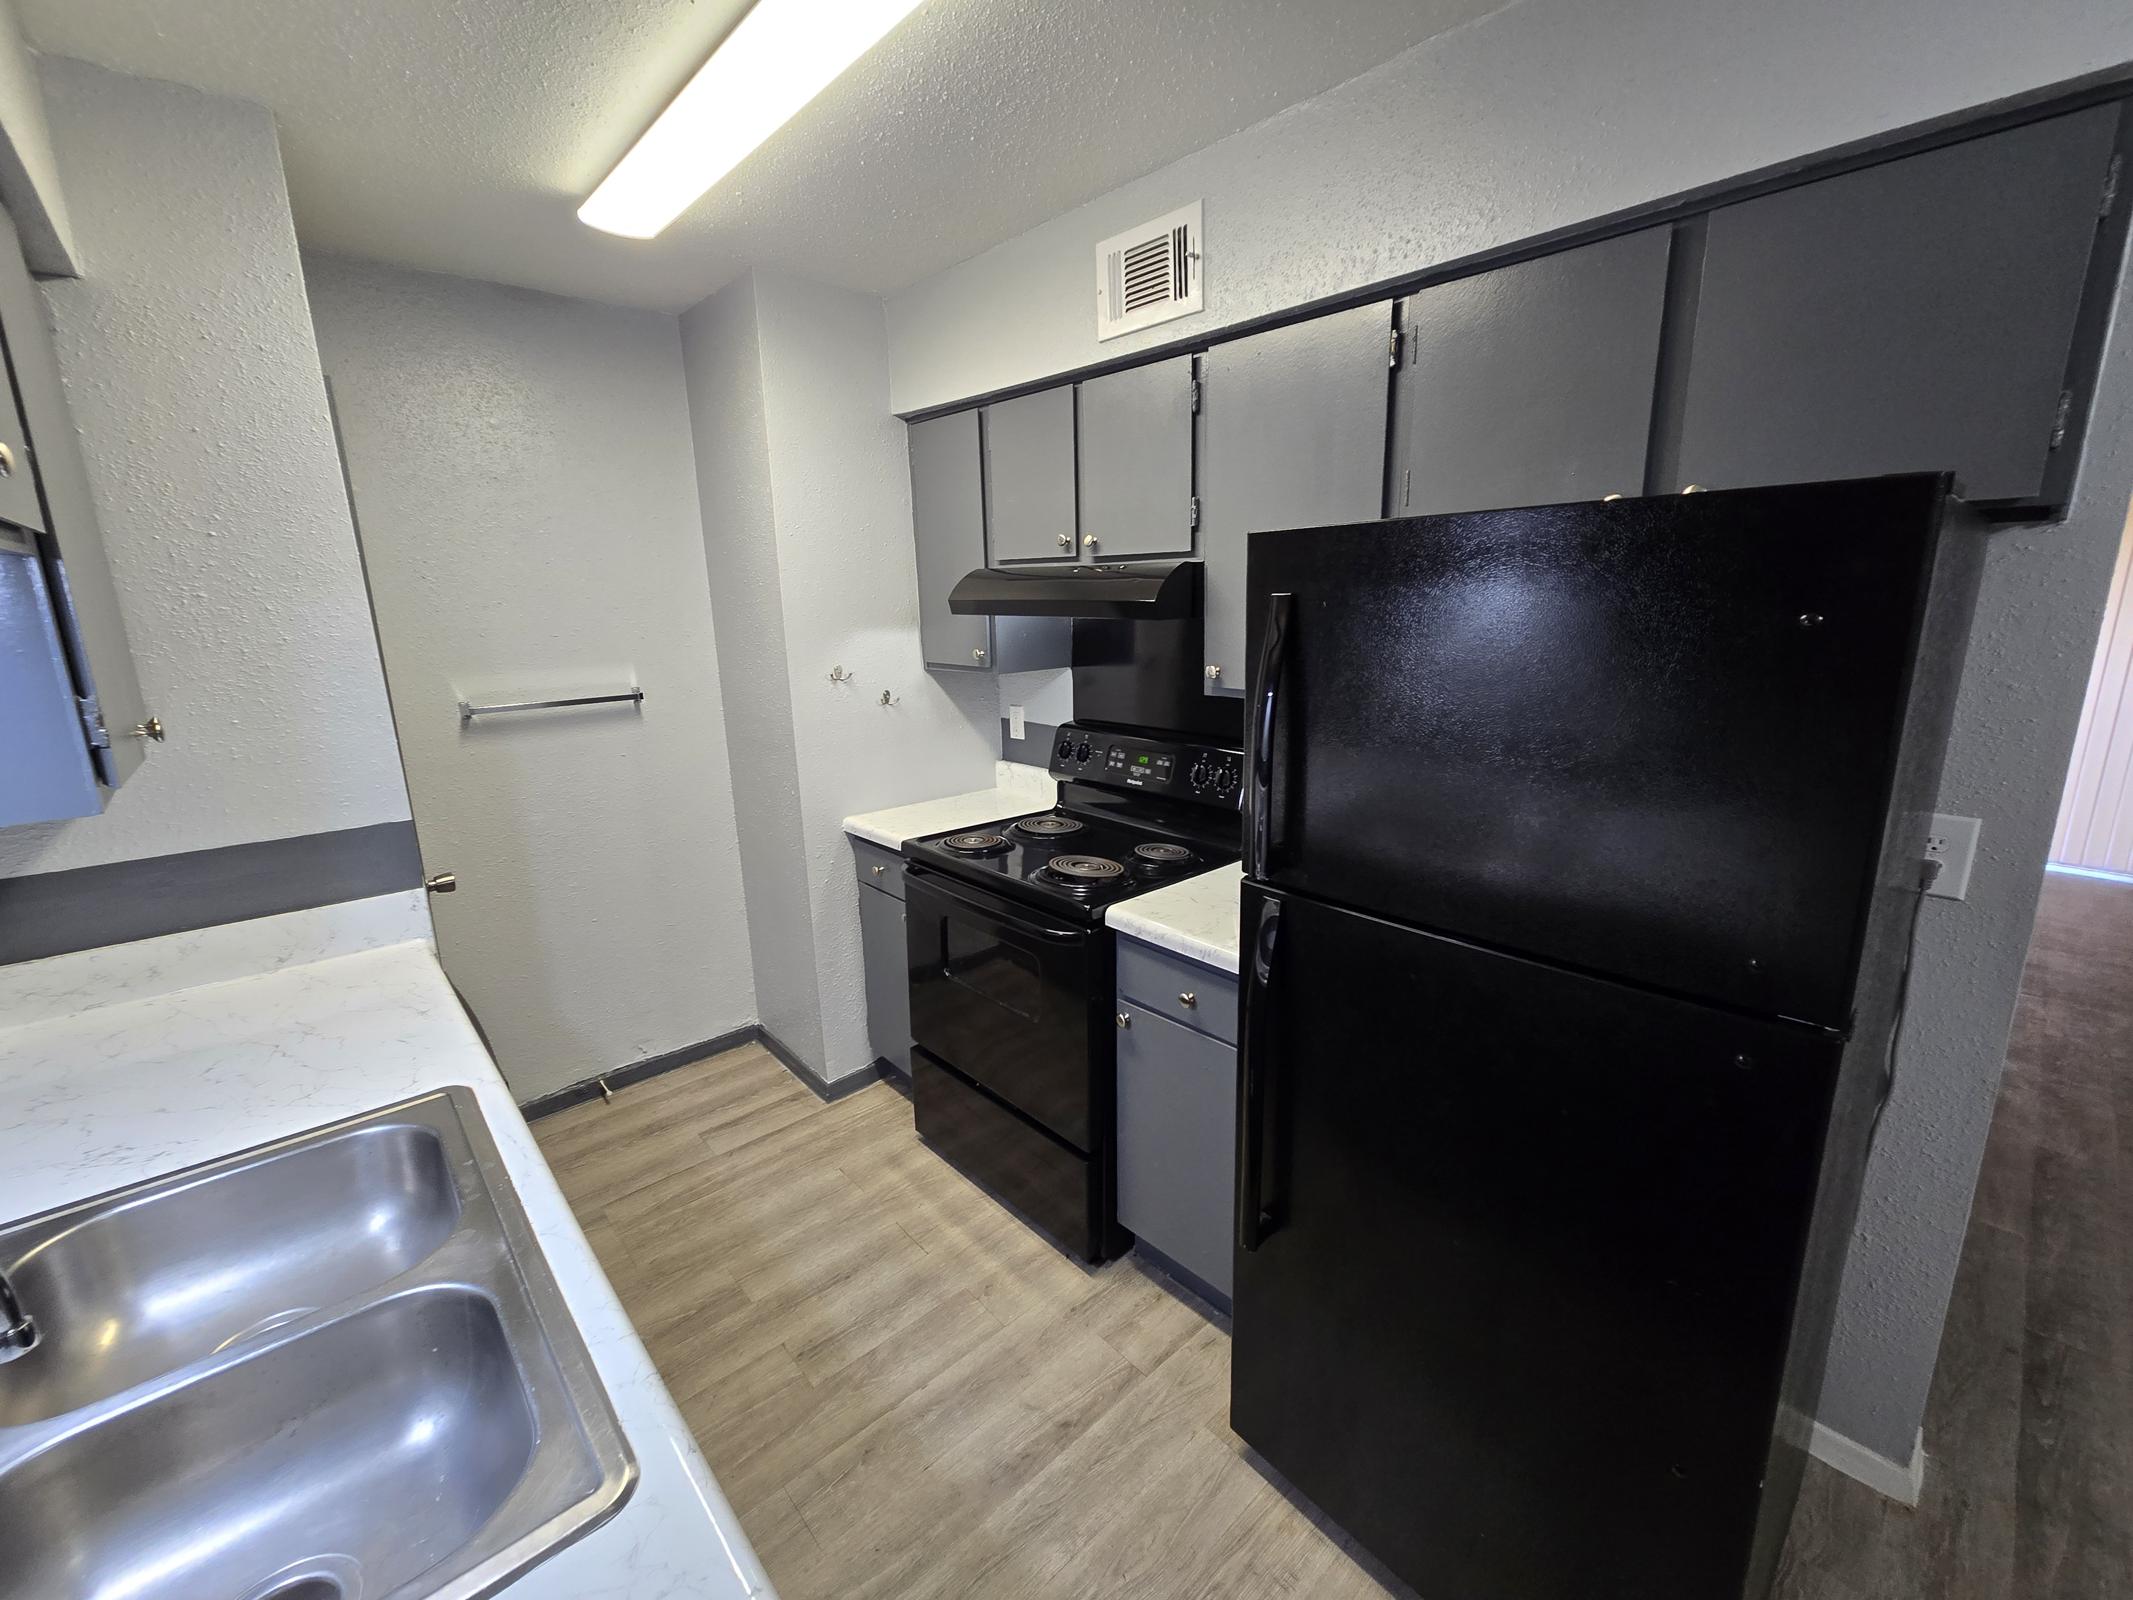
x=442 y=883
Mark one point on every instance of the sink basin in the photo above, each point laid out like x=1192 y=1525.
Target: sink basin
x=336 y=1368
x=136 y=1289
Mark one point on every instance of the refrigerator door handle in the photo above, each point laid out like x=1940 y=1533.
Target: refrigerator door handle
x=1273 y=659
x=1256 y=1215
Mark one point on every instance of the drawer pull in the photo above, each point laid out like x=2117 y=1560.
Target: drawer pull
x=1187 y=998
x=878 y=871
x=1124 y=1021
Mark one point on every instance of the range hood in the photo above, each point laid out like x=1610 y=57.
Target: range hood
x=1150 y=590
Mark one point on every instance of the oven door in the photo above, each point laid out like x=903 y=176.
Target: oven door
x=1002 y=995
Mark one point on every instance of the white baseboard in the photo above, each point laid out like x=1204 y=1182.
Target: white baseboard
x=1902 y=1482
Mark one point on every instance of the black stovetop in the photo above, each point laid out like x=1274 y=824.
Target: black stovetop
x=1013 y=860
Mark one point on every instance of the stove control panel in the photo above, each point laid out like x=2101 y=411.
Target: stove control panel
x=1159 y=766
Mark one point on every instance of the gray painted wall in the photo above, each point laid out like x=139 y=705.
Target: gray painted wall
x=722 y=356
x=811 y=568
x=525 y=480
x=193 y=376
x=1536 y=117
x=1550 y=112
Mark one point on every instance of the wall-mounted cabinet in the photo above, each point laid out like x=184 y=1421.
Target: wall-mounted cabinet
x=1919 y=315
x=1532 y=383
x=1029 y=477
x=65 y=665
x=948 y=527
x=1136 y=462
x=1292 y=435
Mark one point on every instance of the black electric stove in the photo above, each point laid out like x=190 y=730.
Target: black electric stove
x=1014 y=1048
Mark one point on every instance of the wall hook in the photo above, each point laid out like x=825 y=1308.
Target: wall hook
x=889 y=699
x=839 y=675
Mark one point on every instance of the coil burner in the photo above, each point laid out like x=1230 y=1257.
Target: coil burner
x=1163 y=855
x=975 y=844
x=1082 y=872
x=1047 y=827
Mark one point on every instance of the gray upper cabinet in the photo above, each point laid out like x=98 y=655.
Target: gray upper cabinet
x=47 y=487
x=948 y=522
x=1918 y=315
x=1029 y=477
x=1532 y=383
x=45 y=771
x=1292 y=435
x=1136 y=462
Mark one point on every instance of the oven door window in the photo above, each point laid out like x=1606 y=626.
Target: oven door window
x=975 y=959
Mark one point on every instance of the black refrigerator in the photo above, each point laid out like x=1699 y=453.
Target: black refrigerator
x=1584 y=850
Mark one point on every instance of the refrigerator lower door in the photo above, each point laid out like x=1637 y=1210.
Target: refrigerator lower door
x=1518 y=1252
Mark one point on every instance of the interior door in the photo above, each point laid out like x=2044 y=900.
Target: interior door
x=1518 y=1250
x=1292 y=435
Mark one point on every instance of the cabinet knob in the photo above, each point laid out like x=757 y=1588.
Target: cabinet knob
x=878 y=871
x=1066 y=541
x=442 y=883
x=151 y=729
x=1693 y=488
x=1187 y=998
x=7 y=458
x=977 y=655
x=1214 y=671
x=1124 y=1021
x=1088 y=541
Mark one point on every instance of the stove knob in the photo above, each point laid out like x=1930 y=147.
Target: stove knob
x=1081 y=751
x=1198 y=776
x=1066 y=750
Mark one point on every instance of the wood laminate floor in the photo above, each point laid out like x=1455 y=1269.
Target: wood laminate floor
x=905 y=1393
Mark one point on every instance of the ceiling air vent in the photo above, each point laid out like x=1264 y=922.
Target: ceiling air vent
x=1149 y=274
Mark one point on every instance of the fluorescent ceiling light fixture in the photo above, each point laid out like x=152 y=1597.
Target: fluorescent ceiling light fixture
x=783 y=54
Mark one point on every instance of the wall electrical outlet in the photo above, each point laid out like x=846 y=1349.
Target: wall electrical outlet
x=1014 y=723
x=1952 y=841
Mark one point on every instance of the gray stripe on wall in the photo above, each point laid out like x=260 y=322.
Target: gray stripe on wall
x=51 y=913
x=1034 y=748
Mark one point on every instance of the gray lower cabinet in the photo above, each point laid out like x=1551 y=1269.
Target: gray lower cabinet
x=1029 y=477
x=1177 y=1142
x=1532 y=383
x=1292 y=435
x=1918 y=315
x=1135 y=441
x=59 y=591
x=881 y=944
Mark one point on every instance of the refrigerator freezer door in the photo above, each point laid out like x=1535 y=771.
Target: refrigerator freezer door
x=1516 y=1306
x=1654 y=739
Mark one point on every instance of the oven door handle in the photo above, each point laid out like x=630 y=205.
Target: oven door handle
x=997 y=913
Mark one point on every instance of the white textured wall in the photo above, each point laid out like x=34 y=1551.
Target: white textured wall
x=194 y=380
x=29 y=172
x=1533 y=119
x=811 y=563
x=723 y=358
x=526 y=487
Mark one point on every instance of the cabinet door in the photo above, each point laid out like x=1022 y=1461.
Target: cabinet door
x=1177 y=1142
x=1913 y=316
x=881 y=943
x=1531 y=384
x=1292 y=435
x=44 y=761
x=948 y=522
x=1136 y=462
x=84 y=597
x=1029 y=476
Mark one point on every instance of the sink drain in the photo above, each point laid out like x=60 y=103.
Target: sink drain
x=333 y=1577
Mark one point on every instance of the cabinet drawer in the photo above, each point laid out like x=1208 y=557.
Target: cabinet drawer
x=1177 y=1142
x=879 y=868
x=1181 y=990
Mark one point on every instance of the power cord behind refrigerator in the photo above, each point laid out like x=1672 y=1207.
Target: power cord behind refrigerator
x=1928 y=875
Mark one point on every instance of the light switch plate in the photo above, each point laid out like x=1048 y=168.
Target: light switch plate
x=1014 y=723
x=1952 y=841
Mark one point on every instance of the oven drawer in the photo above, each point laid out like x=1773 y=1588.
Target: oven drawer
x=1009 y=998
x=1058 y=1189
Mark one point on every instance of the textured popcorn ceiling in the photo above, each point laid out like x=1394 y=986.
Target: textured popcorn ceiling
x=460 y=135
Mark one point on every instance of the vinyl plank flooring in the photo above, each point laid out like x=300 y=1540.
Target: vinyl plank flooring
x=904 y=1392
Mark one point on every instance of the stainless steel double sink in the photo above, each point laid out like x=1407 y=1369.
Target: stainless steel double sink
x=333 y=1368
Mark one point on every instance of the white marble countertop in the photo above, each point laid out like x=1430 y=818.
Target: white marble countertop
x=1017 y=791
x=1195 y=918
x=127 y=1063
